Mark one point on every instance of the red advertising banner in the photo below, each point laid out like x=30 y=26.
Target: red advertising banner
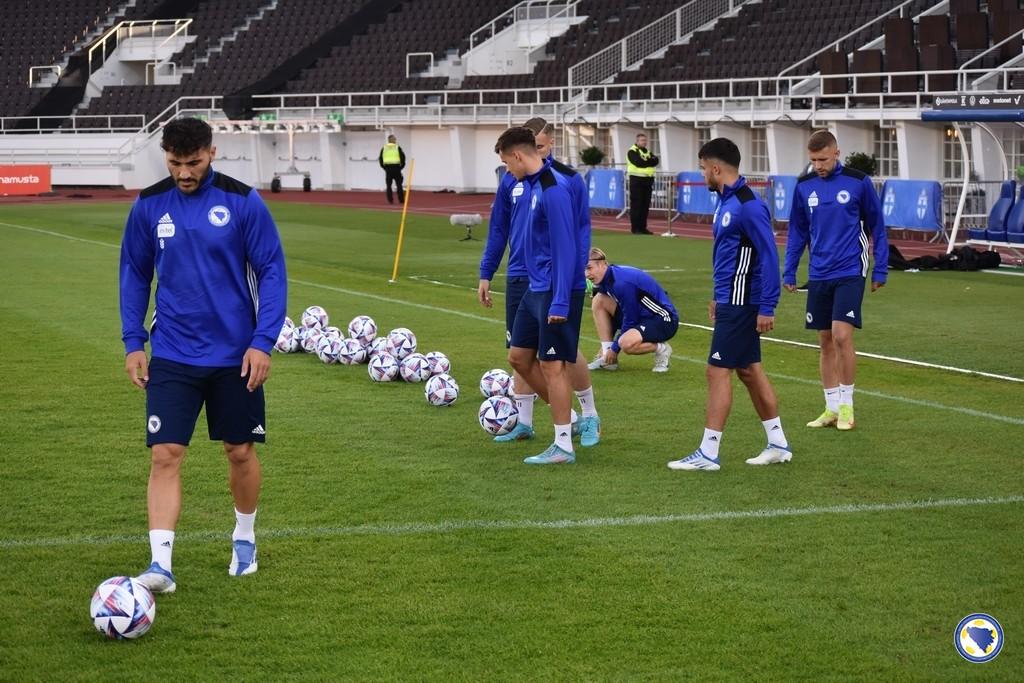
x=28 y=179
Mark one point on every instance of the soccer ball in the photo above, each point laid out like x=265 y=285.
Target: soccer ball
x=363 y=329
x=495 y=382
x=352 y=352
x=378 y=346
x=383 y=367
x=328 y=348
x=314 y=316
x=122 y=608
x=287 y=341
x=415 y=368
x=441 y=390
x=332 y=331
x=498 y=415
x=439 y=363
x=288 y=322
x=401 y=342
x=311 y=338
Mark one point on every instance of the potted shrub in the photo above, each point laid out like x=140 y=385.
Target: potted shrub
x=862 y=162
x=591 y=156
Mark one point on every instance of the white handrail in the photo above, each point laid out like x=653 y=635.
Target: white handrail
x=50 y=67
x=418 y=54
x=491 y=28
x=1018 y=34
x=899 y=8
x=113 y=34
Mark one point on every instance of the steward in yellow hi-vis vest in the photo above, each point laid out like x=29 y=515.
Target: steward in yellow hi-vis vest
x=640 y=164
x=392 y=160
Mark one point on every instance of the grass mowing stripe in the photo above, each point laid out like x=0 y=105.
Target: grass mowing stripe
x=526 y=524
x=689 y=359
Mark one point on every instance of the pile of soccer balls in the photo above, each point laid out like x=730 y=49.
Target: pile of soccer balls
x=387 y=357
x=498 y=415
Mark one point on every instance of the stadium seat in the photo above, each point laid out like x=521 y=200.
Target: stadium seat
x=997 y=217
x=1015 y=220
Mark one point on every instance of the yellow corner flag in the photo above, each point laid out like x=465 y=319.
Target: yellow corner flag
x=401 y=227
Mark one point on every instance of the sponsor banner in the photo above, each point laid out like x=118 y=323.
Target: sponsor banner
x=28 y=179
x=693 y=195
x=912 y=204
x=607 y=188
x=975 y=100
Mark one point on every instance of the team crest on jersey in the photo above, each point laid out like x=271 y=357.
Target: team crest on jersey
x=843 y=197
x=219 y=216
x=726 y=219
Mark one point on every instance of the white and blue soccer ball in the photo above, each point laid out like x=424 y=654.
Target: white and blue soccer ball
x=122 y=608
x=332 y=331
x=352 y=352
x=363 y=329
x=328 y=348
x=287 y=341
x=377 y=346
x=383 y=367
x=401 y=342
x=495 y=382
x=441 y=390
x=311 y=338
x=315 y=316
x=415 y=368
x=498 y=415
x=438 y=362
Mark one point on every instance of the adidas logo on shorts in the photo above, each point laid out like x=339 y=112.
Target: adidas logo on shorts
x=716 y=356
x=259 y=430
x=851 y=314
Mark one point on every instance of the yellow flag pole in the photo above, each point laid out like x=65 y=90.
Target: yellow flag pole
x=401 y=227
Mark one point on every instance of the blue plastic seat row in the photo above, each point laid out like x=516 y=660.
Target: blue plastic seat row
x=1006 y=219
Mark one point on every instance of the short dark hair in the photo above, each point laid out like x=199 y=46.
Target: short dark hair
x=539 y=125
x=820 y=140
x=186 y=136
x=518 y=136
x=722 y=149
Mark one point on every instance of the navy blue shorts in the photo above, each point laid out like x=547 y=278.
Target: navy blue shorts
x=515 y=288
x=829 y=300
x=176 y=392
x=553 y=342
x=652 y=330
x=735 y=343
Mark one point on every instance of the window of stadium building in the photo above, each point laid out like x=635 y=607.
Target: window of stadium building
x=703 y=137
x=758 y=150
x=887 y=152
x=952 y=155
x=1013 y=145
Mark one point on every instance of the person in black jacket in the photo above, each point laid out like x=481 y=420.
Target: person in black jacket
x=640 y=169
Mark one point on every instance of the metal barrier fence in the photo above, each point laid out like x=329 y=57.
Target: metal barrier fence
x=981 y=195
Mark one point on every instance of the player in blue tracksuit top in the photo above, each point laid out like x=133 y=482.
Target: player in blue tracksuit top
x=834 y=209
x=220 y=304
x=746 y=291
x=509 y=224
x=545 y=336
x=630 y=300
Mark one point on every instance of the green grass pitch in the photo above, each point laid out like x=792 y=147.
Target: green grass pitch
x=398 y=543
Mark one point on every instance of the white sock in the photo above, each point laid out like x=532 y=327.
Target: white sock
x=606 y=346
x=586 y=398
x=709 y=444
x=832 y=399
x=244 y=527
x=161 y=544
x=524 y=404
x=773 y=430
x=846 y=395
x=563 y=437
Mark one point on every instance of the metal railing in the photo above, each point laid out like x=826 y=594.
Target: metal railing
x=839 y=43
x=525 y=10
x=408 y=71
x=51 y=68
x=125 y=123
x=641 y=44
x=125 y=30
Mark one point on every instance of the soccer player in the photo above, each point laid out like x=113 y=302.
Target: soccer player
x=834 y=209
x=630 y=300
x=509 y=225
x=220 y=304
x=746 y=291
x=545 y=334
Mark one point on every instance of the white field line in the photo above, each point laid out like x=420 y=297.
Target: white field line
x=701 y=361
x=455 y=525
